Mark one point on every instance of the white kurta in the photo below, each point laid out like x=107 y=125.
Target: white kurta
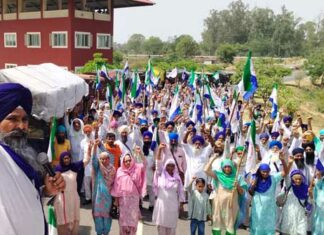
x=196 y=163
x=20 y=205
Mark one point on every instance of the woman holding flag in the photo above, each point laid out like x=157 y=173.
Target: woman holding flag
x=230 y=188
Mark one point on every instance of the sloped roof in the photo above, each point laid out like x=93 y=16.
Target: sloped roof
x=132 y=3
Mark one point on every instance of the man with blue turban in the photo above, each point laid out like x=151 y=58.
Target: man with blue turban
x=23 y=178
x=197 y=155
x=173 y=150
x=272 y=156
x=150 y=167
x=264 y=143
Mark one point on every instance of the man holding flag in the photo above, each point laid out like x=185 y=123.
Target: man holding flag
x=23 y=178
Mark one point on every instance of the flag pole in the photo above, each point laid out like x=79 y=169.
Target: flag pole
x=232 y=111
x=236 y=176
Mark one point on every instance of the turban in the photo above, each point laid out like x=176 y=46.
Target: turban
x=173 y=136
x=275 y=134
x=264 y=167
x=101 y=105
x=61 y=128
x=287 y=119
x=319 y=166
x=308 y=135
x=169 y=123
x=219 y=134
x=198 y=138
x=138 y=105
x=239 y=148
x=321 y=132
x=247 y=124
x=304 y=126
x=297 y=151
x=275 y=143
x=264 y=136
x=194 y=130
x=147 y=134
x=13 y=95
x=116 y=112
x=123 y=128
x=143 y=121
x=190 y=123
x=87 y=127
x=154 y=112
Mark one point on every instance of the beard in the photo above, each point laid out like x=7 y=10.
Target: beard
x=17 y=141
x=123 y=138
x=310 y=158
x=197 y=151
x=146 y=148
x=174 y=147
x=60 y=139
x=300 y=163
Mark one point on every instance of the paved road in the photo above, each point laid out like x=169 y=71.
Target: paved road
x=87 y=226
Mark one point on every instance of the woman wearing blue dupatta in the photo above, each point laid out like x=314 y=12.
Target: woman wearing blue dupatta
x=263 y=192
x=229 y=191
x=318 y=218
x=297 y=208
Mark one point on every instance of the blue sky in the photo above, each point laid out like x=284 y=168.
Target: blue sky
x=168 y=18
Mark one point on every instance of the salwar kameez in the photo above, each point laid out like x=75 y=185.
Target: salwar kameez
x=170 y=193
x=293 y=219
x=128 y=188
x=102 y=180
x=227 y=202
x=318 y=218
x=129 y=214
x=226 y=209
x=67 y=206
x=264 y=208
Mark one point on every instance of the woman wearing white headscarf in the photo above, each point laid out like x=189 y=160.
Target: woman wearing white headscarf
x=170 y=195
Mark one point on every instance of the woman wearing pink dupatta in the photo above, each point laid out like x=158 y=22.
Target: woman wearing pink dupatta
x=128 y=188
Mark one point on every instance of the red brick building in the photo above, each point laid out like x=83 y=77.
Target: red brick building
x=64 y=32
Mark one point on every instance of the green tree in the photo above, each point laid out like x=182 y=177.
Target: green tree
x=97 y=61
x=186 y=46
x=153 y=45
x=226 y=26
x=226 y=53
x=135 y=44
x=261 y=30
x=118 y=58
x=315 y=67
x=311 y=36
x=286 y=41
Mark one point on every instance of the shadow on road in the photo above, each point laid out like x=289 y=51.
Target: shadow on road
x=85 y=230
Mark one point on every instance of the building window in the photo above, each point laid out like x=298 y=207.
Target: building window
x=82 y=40
x=103 y=41
x=54 y=5
x=10 y=39
x=8 y=66
x=59 y=39
x=33 y=40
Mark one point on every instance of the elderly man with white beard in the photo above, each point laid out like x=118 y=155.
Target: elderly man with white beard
x=196 y=157
x=23 y=179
